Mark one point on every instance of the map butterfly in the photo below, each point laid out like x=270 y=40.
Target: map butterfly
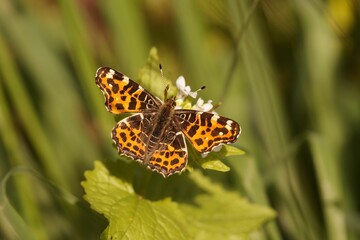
x=155 y=134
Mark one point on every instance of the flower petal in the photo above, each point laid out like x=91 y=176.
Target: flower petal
x=180 y=83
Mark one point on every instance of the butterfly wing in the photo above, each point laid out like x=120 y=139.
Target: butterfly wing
x=170 y=155
x=130 y=136
x=206 y=130
x=123 y=95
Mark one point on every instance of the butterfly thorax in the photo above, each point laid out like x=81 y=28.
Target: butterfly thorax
x=160 y=122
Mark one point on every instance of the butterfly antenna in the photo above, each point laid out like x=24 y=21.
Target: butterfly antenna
x=202 y=88
x=167 y=86
x=161 y=70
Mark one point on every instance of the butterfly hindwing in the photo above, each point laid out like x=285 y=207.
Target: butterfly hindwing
x=206 y=130
x=171 y=154
x=130 y=137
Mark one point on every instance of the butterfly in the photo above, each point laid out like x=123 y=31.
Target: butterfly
x=155 y=134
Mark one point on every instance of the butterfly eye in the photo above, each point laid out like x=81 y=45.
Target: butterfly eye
x=183 y=116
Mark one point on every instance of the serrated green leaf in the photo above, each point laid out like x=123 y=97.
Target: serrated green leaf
x=131 y=216
x=221 y=214
x=204 y=210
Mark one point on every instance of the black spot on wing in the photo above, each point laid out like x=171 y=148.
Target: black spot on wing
x=216 y=131
x=123 y=136
x=182 y=154
x=119 y=106
x=192 y=130
x=132 y=103
x=222 y=121
x=142 y=96
x=131 y=87
x=199 y=141
x=205 y=119
x=174 y=161
x=115 y=88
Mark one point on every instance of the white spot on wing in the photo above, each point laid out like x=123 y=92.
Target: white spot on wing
x=125 y=79
x=228 y=127
x=215 y=117
x=110 y=74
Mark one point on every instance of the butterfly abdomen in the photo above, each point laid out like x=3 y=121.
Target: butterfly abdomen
x=159 y=125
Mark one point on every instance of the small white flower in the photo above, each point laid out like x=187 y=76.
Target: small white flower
x=179 y=103
x=201 y=106
x=184 y=90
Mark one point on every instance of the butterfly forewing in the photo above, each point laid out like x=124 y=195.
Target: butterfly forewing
x=122 y=95
x=206 y=130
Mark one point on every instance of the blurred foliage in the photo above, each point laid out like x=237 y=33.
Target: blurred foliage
x=287 y=71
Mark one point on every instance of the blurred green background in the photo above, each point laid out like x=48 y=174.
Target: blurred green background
x=287 y=71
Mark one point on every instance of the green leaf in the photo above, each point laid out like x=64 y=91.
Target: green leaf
x=203 y=210
x=213 y=160
x=222 y=214
x=131 y=216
